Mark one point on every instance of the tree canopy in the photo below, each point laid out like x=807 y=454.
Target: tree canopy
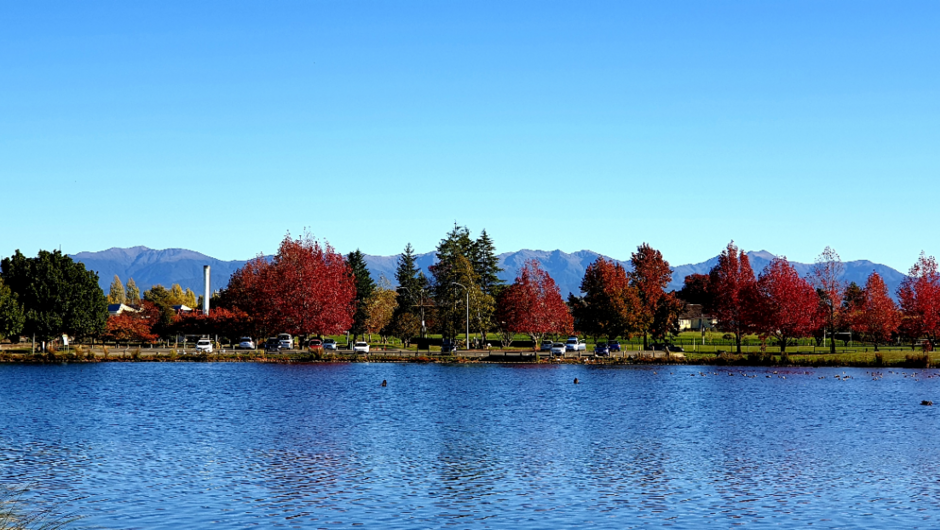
x=58 y=295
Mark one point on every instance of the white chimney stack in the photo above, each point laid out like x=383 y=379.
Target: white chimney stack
x=205 y=297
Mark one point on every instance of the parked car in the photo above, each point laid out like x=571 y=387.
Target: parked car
x=361 y=347
x=448 y=346
x=667 y=347
x=245 y=343
x=558 y=348
x=601 y=349
x=287 y=342
x=204 y=345
x=613 y=345
x=575 y=344
x=315 y=345
x=546 y=345
x=330 y=344
x=272 y=345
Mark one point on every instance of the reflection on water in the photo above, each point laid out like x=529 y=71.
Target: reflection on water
x=471 y=446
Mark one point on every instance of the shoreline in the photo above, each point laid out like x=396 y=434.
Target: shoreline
x=856 y=360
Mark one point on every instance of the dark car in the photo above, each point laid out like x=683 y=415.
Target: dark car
x=272 y=345
x=601 y=349
x=674 y=348
x=448 y=346
x=613 y=345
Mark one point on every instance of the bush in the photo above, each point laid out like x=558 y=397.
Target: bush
x=879 y=359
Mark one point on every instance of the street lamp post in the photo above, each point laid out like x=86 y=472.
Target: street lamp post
x=421 y=305
x=468 y=311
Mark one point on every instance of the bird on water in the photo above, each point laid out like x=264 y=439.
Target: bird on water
x=384 y=382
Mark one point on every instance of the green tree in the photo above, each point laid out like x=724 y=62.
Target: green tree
x=455 y=265
x=158 y=295
x=486 y=264
x=58 y=295
x=12 y=317
x=365 y=286
x=414 y=300
x=131 y=292
x=116 y=295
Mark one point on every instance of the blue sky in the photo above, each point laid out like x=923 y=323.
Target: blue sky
x=219 y=126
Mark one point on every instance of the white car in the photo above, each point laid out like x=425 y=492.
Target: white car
x=361 y=347
x=330 y=344
x=245 y=343
x=558 y=348
x=287 y=342
x=204 y=345
x=575 y=344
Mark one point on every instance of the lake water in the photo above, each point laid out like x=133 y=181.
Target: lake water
x=183 y=445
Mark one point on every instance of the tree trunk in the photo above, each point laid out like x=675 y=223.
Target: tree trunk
x=646 y=345
x=783 y=344
x=737 y=342
x=832 y=342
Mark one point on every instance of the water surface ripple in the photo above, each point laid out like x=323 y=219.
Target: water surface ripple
x=178 y=445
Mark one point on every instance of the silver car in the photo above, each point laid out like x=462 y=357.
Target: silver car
x=330 y=344
x=245 y=343
x=361 y=347
x=558 y=348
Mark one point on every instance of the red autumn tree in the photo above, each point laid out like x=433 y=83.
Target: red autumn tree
x=731 y=290
x=133 y=327
x=533 y=305
x=695 y=290
x=305 y=289
x=220 y=322
x=610 y=306
x=919 y=298
x=827 y=277
x=875 y=316
x=650 y=276
x=786 y=306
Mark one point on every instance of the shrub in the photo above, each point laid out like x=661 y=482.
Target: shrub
x=917 y=360
x=135 y=354
x=173 y=355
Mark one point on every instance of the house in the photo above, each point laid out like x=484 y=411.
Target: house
x=693 y=318
x=117 y=309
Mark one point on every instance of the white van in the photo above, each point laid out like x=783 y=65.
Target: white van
x=287 y=342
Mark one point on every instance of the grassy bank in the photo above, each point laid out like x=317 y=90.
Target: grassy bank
x=889 y=358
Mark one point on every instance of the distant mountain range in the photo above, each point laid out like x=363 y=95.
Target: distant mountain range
x=149 y=267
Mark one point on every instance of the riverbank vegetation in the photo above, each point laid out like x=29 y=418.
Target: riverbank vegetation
x=309 y=291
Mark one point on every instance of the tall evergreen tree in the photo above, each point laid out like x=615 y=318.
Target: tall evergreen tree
x=413 y=295
x=454 y=255
x=58 y=295
x=116 y=295
x=486 y=264
x=131 y=292
x=365 y=286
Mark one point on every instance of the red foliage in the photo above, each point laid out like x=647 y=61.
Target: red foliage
x=786 y=306
x=731 y=289
x=919 y=297
x=222 y=322
x=611 y=305
x=533 y=304
x=650 y=276
x=133 y=327
x=877 y=316
x=306 y=288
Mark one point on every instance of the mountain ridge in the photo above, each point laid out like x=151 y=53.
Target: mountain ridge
x=150 y=267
